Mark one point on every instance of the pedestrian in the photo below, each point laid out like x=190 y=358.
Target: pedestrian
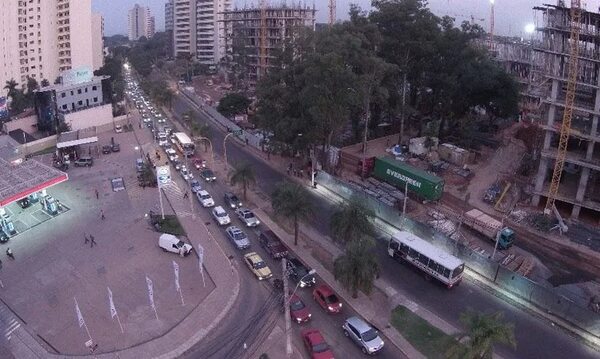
x=185 y=195
x=301 y=172
x=97 y=194
x=246 y=141
x=9 y=253
x=102 y=215
x=86 y=240
x=92 y=241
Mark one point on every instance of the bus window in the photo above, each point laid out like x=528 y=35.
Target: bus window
x=412 y=253
x=433 y=265
x=423 y=259
x=394 y=245
x=446 y=273
x=458 y=271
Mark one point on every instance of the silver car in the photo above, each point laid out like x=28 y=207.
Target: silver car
x=365 y=336
x=239 y=238
x=246 y=216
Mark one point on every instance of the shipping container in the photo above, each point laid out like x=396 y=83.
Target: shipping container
x=424 y=184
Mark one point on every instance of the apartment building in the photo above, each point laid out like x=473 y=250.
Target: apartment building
x=97 y=41
x=140 y=23
x=198 y=30
x=36 y=39
x=169 y=7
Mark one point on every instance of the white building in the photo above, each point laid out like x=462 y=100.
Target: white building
x=40 y=39
x=169 y=7
x=97 y=41
x=140 y=23
x=198 y=29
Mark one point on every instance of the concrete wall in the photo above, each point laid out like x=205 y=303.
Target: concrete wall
x=25 y=124
x=68 y=100
x=95 y=116
x=39 y=145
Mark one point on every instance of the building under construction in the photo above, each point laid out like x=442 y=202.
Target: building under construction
x=255 y=36
x=579 y=188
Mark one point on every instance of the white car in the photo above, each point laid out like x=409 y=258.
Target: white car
x=171 y=154
x=205 y=199
x=221 y=216
x=239 y=238
x=186 y=173
x=245 y=215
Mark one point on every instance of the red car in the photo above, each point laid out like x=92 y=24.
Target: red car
x=316 y=344
x=327 y=299
x=298 y=311
x=199 y=163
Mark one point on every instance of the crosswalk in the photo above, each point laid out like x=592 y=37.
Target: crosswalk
x=8 y=322
x=180 y=205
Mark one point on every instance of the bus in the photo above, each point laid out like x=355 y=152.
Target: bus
x=184 y=144
x=434 y=262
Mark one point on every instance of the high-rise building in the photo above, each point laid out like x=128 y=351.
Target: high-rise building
x=140 y=23
x=198 y=30
x=169 y=6
x=97 y=40
x=39 y=39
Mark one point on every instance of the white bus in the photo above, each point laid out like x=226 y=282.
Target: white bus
x=433 y=261
x=184 y=144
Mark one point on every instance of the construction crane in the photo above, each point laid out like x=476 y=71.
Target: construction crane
x=331 y=12
x=565 y=128
x=263 y=39
x=492 y=25
x=472 y=18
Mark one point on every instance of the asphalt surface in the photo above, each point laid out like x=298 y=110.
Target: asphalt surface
x=536 y=338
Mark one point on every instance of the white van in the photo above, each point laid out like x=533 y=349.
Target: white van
x=170 y=243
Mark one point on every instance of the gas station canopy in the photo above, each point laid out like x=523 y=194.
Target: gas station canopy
x=77 y=137
x=18 y=180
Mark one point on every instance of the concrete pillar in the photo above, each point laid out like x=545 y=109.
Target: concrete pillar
x=539 y=180
x=575 y=211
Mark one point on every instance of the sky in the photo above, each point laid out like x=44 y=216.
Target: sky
x=511 y=16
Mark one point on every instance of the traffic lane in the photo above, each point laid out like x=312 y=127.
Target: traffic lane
x=530 y=331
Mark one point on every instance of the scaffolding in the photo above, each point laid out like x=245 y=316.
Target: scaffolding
x=255 y=36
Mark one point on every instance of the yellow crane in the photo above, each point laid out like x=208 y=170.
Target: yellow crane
x=565 y=128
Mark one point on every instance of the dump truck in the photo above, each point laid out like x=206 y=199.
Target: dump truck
x=418 y=181
x=490 y=227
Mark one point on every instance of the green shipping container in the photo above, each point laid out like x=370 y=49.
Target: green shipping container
x=397 y=173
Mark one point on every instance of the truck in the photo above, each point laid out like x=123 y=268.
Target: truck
x=490 y=227
x=401 y=175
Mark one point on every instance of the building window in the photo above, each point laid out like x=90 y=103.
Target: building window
x=80 y=103
x=94 y=88
x=79 y=91
x=64 y=107
x=63 y=95
x=71 y=93
x=86 y=90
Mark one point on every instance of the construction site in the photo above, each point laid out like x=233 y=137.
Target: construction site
x=255 y=36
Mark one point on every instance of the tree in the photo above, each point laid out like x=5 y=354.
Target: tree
x=45 y=83
x=357 y=268
x=233 y=104
x=243 y=175
x=200 y=130
x=483 y=332
x=352 y=222
x=11 y=87
x=19 y=101
x=290 y=200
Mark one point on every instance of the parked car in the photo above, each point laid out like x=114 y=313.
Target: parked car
x=139 y=165
x=245 y=215
x=24 y=202
x=238 y=237
x=177 y=164
x=316 y=344
x=298 y=272
x=232 y=200
x=221 y=216
x=115 y=147
x=170 y=243
x=84 y=161
x=185 y=173
x=205 y=199
x=208 y=175
x=195 y=185
x=257 y=266
x=326 y=298
x=298 y=311
x=272 y=244
x=365 y=336
x=106 y=149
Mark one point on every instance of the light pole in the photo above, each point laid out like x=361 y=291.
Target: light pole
x=212 y=154
x=225 y=149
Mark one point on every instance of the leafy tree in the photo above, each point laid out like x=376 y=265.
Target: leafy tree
x=483 y=332
x=19 y=100
x=32 y=85
x=233 y=104
x=11 y=87
x=352 y=222
x=243 y=175
x=200 y=130
x=290 y=200
x=357 y=268
x=45 y=83
x=113 y=67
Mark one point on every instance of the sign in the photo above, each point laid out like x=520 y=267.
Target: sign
x=77 y=76
x=404 y=178
x=163 y=175
x=176 y=270
x=238 y=132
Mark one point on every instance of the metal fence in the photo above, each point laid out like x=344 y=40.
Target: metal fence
x=534 y=293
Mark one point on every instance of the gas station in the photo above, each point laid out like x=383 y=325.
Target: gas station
x=24 y=198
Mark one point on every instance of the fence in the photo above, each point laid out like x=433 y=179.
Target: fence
x=526 y=289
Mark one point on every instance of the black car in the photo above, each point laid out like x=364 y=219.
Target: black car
x=115 y=147
x=3 y=237
x=106 y=149
x=231 y=200
x=24 y=202
x=208 y=175
x=298 y=272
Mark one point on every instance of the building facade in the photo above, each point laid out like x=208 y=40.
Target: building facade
x=198 y=30
x=97 y=41
x=39 y=39
x=140 y=23
x=169 y=7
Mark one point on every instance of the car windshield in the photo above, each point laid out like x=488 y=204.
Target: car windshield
x=234 y=199
x=208 y=173
x=297 y=305
x=369 y=335
x=248 y=215
x=332 y=298
x=180 y=244
x=195 y=183
x=239 y=236
x=221 y=214
x=301 y=271
x=320 y=348
x=205 y=196
x=259 y=265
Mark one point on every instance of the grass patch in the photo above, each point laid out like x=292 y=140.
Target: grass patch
x=427 y=339
x=169 y=225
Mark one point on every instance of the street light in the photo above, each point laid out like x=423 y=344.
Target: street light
x=310 y=272
x=530 y=28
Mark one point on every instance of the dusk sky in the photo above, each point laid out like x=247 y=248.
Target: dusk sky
x=511 y=15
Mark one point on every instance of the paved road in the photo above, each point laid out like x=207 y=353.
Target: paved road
x=535 y=337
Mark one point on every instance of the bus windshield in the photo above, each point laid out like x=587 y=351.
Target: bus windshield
x=458 y=271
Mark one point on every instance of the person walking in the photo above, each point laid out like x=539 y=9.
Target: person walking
x=92 y=241
x=102 y=215
x=9 y=253
x=185 y=195
x=86 y=239
x=97 y=194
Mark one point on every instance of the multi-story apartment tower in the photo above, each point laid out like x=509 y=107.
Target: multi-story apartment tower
x=198 y=30
x=579 y=190
x=39 y=39
x=140 y=23
x=98 y=40
x=169 y=7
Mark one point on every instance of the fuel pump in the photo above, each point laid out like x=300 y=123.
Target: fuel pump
x=49 y=205
x=6 y=223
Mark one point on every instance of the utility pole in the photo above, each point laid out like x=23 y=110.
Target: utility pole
x=288 y=320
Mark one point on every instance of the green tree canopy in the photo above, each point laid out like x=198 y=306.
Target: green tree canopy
x=483 y=332
x=290 y=201
x=233 y=104
x=357 y=268
x=243 y=175
x=352 y=221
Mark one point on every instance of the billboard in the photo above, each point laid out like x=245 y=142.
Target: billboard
x=3 y=108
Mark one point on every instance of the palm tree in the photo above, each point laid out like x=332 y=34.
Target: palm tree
x=200 y=130
x=483 y=332
x=352 y=221
x=11 y=87
x=290 y=200
x=357 y=268
x=243 y=175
